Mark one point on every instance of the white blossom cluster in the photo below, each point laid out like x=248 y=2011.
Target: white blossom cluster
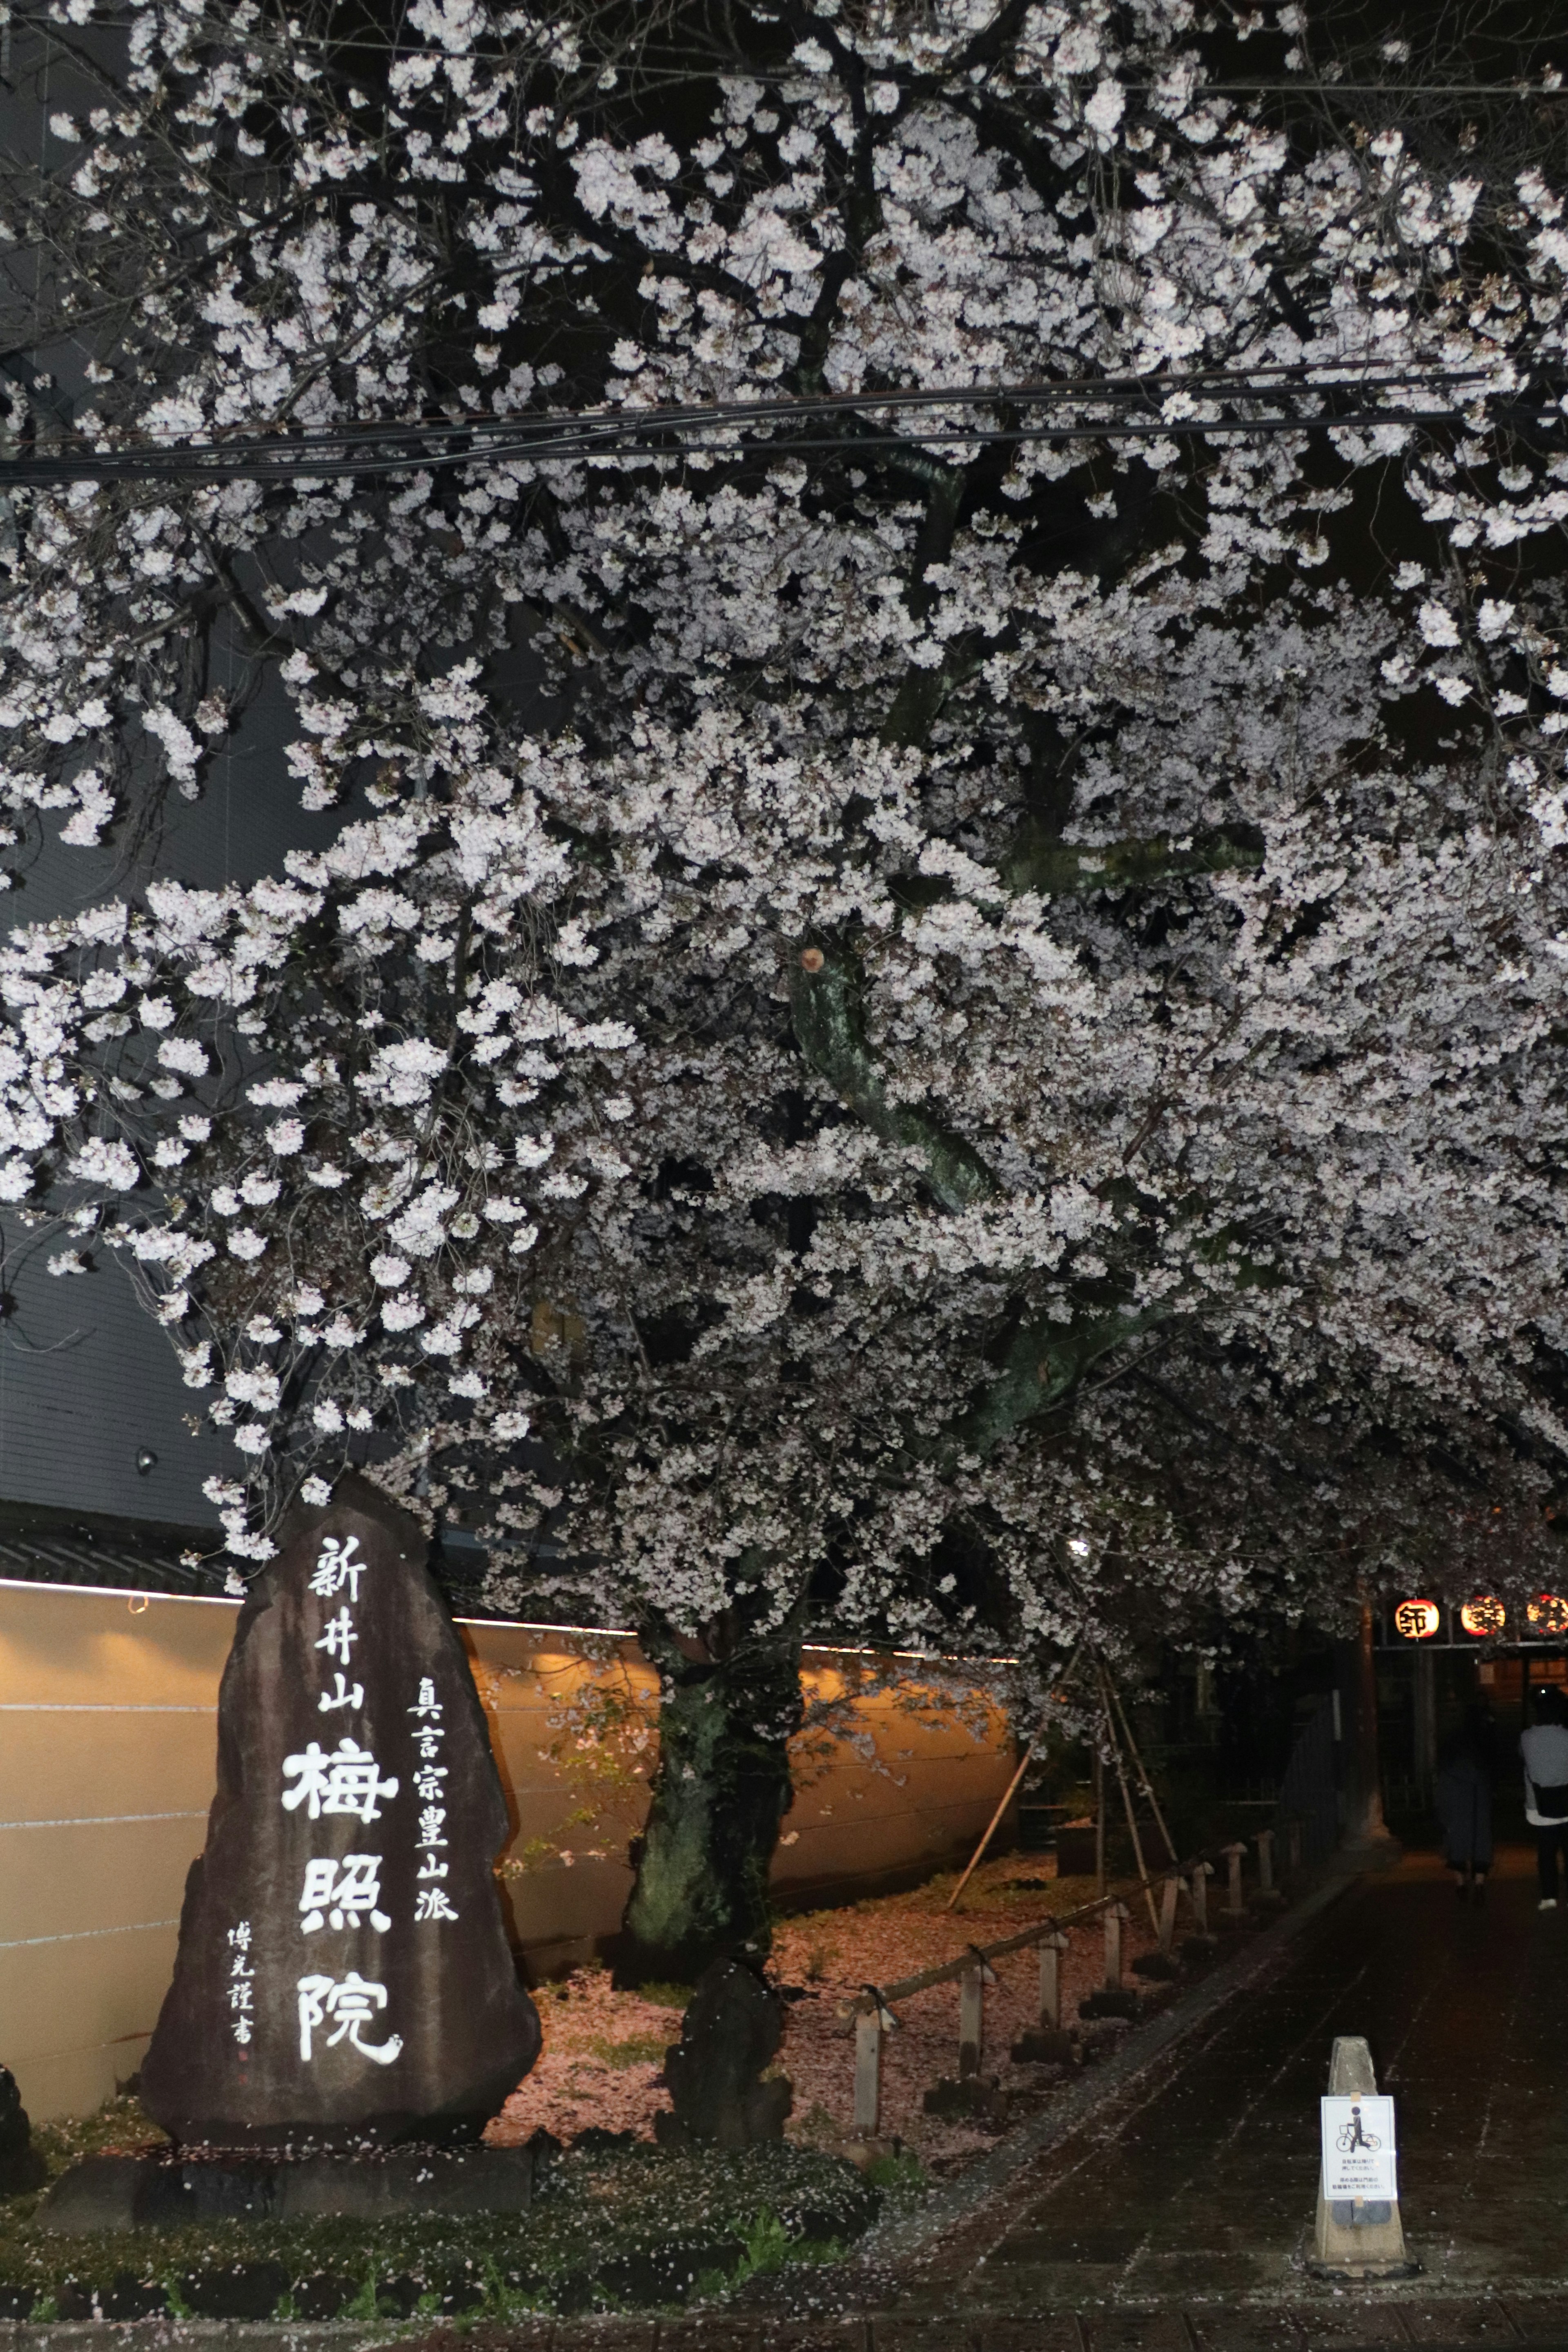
x=979 y=1037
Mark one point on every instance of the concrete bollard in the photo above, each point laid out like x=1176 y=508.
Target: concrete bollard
x=1115 y=1915
x=1168 y=1894
x=868 y=2073
x=969 y=2092
x=1047 y=2043
x=870 y=2025
x=971 y=2024
x=1236 y=1907
x=1358 y=2236
x=1198 y=1889
x=1052 y=1949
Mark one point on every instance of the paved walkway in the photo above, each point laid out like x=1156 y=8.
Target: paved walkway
x=1173 y=2218
x=1196 y=2182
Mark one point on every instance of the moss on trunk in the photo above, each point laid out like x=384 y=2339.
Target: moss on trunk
x=721 y=1790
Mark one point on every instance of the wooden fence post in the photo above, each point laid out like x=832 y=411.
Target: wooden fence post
x=867 y=2070
x=1052 y=1947
x=971 y=2022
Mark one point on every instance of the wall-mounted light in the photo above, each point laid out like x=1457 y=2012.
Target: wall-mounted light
x=1418 y=1620
x=1483 y=1615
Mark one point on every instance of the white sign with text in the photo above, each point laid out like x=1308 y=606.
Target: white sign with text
x=1359 y=2149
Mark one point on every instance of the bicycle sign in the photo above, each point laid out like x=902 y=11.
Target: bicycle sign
x=1359 y=2153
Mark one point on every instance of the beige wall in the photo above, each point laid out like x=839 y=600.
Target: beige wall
x=106 y=1770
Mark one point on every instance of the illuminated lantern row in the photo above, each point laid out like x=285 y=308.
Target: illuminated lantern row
x=1417 y=1620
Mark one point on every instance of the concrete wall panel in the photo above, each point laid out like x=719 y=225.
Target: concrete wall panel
x=107 y=1765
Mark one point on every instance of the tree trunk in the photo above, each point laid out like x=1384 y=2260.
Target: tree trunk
x=720 y=1791
x=1364 y=1823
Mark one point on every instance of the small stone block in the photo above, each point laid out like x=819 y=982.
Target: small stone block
x=1043 y=2045
x=99 y=2193
x=1155 y=1967
x=1112 y=2000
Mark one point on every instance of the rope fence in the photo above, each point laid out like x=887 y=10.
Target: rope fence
x=973 y=1972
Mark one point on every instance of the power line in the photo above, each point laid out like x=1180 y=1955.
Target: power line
x=579 y=436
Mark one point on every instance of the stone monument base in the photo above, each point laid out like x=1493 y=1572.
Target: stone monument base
x=162 y=2191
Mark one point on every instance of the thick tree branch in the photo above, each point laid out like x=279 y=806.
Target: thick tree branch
x=1042 y=1366
x=1040 y=860
x=829 y=1030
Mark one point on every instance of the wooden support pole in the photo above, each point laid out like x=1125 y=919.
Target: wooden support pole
x=1168 y=1894
x=1145 y=1782
x=867 y=2072
x=1234 y=1905
x=1265 y=1845
x=1115 y=1916
x=977 y=1856
x=971 y=2022
x=1106 y=1698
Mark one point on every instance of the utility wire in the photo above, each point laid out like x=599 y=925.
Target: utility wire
x=578 y=437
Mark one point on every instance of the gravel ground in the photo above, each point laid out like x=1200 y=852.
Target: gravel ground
x=604 y=2050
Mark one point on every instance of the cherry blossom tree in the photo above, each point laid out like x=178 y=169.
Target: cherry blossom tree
x=956 y=1007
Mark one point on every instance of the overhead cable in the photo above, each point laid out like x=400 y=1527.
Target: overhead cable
x=731 y=429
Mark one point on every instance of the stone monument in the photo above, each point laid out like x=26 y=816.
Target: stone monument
x=722 y=2090
x=19 y=2165
x=343 y=1976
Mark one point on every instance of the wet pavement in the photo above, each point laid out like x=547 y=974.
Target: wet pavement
x=1197 y=2181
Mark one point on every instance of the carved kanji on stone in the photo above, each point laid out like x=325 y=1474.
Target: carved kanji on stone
x=343 y=1973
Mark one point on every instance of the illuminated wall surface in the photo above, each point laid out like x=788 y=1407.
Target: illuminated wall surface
x=107 y=1744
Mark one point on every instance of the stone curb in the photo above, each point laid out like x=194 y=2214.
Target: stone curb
x=1525 y=2321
